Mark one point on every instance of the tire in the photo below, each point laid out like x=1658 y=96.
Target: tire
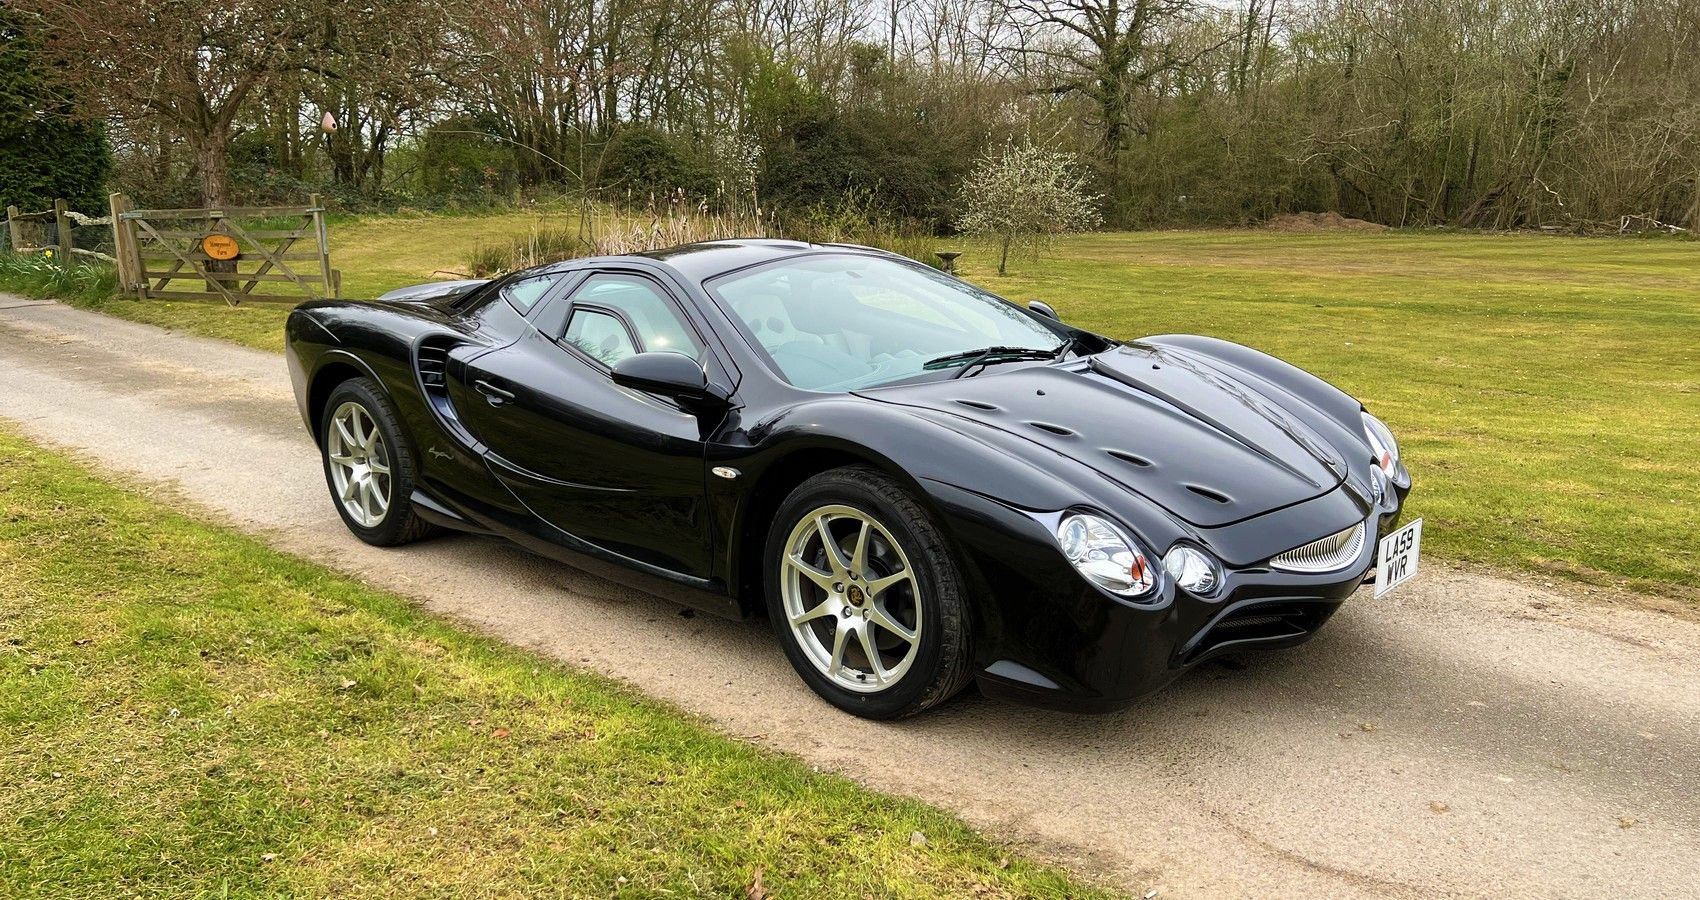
x=922 y=658
x=393 y=522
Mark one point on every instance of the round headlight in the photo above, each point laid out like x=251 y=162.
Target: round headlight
x=1102 y=556
x=1194 y=570
x=1382 y=445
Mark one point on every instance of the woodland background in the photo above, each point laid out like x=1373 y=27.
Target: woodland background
x=1560 y=114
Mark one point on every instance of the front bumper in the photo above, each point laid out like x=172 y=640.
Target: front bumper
x=1050 y=639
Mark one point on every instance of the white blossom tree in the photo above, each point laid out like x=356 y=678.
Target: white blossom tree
x=1024 y=194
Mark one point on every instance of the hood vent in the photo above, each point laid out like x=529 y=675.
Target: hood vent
x=976 y=404
x=1209 y=494
x=1335 y=551
x=1130 y=458
x=1054 y=429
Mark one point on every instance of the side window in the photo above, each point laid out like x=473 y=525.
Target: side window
x=600 y=335
x=525 y=293
x=655 y=323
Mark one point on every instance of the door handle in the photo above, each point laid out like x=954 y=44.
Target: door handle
x=494 y=394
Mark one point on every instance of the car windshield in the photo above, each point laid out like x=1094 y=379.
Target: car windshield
x=838 y=322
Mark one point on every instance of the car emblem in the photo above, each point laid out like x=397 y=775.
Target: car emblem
x=435 y=452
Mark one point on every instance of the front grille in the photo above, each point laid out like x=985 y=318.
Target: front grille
x=1335 y=551
x=1268 y=623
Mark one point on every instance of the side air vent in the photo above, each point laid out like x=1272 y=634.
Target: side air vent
x=1209 y=494
x=1335 y=551
x=1130 y=458
x=1054 y=429
x=434 y=366
x=976 y=404
x=432 y=362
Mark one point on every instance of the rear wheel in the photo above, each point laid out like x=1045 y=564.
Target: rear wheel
x=369 y=465
x=865 y=596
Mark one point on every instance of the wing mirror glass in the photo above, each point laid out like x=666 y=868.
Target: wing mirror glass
x=667 y=373
x=1043 y=309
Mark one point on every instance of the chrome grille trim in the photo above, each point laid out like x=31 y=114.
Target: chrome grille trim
x=1335 y=551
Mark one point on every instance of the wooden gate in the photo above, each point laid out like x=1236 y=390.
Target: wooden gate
x=225 y=254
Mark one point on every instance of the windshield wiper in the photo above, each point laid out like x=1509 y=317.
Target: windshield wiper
x=985 y=356
x=971 y=358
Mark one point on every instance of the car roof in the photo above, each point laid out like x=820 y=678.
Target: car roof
x=706 y=259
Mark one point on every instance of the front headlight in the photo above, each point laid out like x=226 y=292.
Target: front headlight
x=1102 y=556
x=1195 y=571
x=1383 y=446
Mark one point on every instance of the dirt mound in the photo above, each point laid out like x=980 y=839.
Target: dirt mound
x=1328 y=221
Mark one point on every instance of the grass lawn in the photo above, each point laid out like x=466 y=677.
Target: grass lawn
x=1546 y=389
x=184 y=712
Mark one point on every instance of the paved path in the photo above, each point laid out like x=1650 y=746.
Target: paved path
x=1465 y=735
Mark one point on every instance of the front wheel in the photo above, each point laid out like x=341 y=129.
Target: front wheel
x=369 y=465
x=865 y=596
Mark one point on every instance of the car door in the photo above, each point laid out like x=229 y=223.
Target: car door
x=617 y=469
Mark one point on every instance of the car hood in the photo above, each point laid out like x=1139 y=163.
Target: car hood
x=1193 y=436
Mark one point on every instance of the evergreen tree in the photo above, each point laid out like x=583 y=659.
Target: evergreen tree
x=45 y=152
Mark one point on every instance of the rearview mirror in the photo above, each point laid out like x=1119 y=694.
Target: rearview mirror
x=664 y=372
x=1043 y=309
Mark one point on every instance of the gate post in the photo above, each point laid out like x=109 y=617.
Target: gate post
x=62 y=229
x=124 y=247
x=13 y=226
x=328 y=286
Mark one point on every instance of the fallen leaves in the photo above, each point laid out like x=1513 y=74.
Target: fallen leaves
x=756 y=889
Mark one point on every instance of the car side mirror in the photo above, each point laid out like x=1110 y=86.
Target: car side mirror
x=665 y=372
x=1044 y=309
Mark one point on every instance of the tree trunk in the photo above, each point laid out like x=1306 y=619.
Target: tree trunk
x=1003 y=258
x=210 y=165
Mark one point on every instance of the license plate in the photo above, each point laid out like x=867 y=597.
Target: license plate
x=1397 y=560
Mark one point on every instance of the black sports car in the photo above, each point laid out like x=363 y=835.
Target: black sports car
x=920 y=484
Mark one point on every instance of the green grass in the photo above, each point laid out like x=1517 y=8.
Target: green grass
x=184 y=712
x=1544 y=387
x=40 y=276
x=1546 y=390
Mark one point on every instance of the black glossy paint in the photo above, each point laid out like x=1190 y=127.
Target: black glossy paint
x=1177 y=437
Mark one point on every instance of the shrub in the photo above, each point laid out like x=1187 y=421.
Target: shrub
x=1024 y=194
x=40 y=276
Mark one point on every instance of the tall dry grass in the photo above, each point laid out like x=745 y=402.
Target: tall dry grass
x=609 y=231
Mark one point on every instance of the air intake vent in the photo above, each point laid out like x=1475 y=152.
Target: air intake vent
x=1054 y=429
x=976 y=404
x=1209 y=494
x=1335 y=551
x=1130 y=458
x=432 y=361
x=434 y=366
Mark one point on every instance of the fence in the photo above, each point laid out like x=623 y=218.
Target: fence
x=201 y=254
x=54 y=232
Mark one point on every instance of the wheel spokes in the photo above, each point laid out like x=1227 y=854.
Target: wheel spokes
x=852 y=568
x=878 y=586
x=822 y=580
x=879 y=615
x=872 y=652
x=859 y=556
x=824 y=608
x=834 y=553
x=840 y=637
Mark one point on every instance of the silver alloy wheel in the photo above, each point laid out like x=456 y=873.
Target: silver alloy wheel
x=360 y=464
x=855 y=612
